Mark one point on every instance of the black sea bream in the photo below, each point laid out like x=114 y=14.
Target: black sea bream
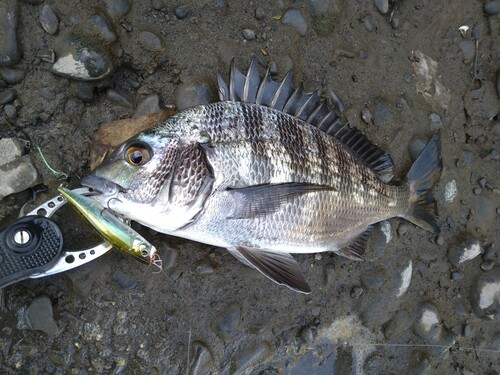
x=266 y=172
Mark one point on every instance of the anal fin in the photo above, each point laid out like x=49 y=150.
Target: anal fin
x=357 y=248
x=281 y=268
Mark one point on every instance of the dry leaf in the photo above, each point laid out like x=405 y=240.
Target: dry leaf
x=113 y=133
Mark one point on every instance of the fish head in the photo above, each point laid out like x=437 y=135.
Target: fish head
x=156 y=178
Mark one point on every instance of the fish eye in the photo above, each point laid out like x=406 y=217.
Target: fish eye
x=138 y=154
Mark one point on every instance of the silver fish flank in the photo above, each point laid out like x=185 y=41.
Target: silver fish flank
x=267 y=172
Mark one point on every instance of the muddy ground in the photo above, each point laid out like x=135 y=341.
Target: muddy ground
x=424 y=303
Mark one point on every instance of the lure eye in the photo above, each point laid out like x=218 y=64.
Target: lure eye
x=137 y=154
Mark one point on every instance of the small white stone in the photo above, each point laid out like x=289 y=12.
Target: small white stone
x=463 y=30
x=385 y=227
x=450 y=191
x=428 y=319
x=489 y=295
x=470 y=252
x=405 y=279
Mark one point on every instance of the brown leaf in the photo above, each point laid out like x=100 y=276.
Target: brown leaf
x=113 y=133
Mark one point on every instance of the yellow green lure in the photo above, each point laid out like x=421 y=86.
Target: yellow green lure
x=112 y=229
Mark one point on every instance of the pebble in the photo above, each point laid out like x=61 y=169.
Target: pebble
x=124 y=281
x=439 y=240
x=83 y=90
x=273 y=68
x=46 y=55
x=407 y=78
x=436 y=122
x=488 y=265
x=182 y=11
x=294 y=17
x=468 y=48
x=395 y=22
x=366 y=115
x=9 y=48
x=467 y=250
x=12 y=76
x=415 y=147
x=450 y=191
x=48 y=20
x=382 y=6
x=10 y=111
x=7 y=96
x=251 y=356
x=397 y=326
x=160 y=4
x=468 y=158
x=259 y=14
x=10 y=149
x=356 y=292
x=373 y=279
x=203 y=360
x=83 y=60
x=205 y=268
x=368 y=22
x=103 y=27
x=228 y=321
x=18 y=175
x=485 y=295
x=428 y=325
x=147 y=106
x=117 y=98
x=150 y=41
x=456 y=276
x=492 y=7
x=127 y=26
x=382 y=112
x=249 y=34
x=117 y=8
x=40 y=316
x=196 y=91
x=489 y=252
x=403 y=228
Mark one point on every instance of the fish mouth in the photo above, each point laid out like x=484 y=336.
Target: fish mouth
x=102 y=185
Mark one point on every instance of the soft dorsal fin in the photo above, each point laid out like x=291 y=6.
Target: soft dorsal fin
x=309 y=107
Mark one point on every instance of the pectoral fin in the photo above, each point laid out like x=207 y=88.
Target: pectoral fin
x=259 y=200
x=279 y=267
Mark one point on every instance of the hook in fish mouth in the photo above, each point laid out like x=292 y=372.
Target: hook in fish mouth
x=102 y=185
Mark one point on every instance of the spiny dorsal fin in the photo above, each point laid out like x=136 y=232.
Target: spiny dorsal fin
x=307 y=107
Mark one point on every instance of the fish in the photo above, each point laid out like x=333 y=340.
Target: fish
x=111 y=228
x=268 y=171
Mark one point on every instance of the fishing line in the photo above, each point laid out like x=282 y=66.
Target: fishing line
x=59 y=175
x=437 y=346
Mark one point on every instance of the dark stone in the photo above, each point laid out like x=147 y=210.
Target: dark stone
x=12 y=76
x=259 y=14
x=48 y=20
x=118 y=98
x=196 y=91
x=182 y=11
x=294 y=17
x=117 y=8
x=249 y=34
x=41 y=317
x=149 y=105
x=124 y=281
x=10 y=52
x=203 y=360
x=150 y=41
x=10 y=111
x=229 y=321
x=492 y=7
x=103 y=27
x=7 y=96
x=373 y=279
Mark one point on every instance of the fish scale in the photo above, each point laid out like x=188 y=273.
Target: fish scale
x=266 y=172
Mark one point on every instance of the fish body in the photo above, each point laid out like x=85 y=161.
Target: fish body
x=267 y=172
x=112 y=229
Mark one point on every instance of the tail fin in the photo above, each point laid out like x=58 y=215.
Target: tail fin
x=422 y=177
